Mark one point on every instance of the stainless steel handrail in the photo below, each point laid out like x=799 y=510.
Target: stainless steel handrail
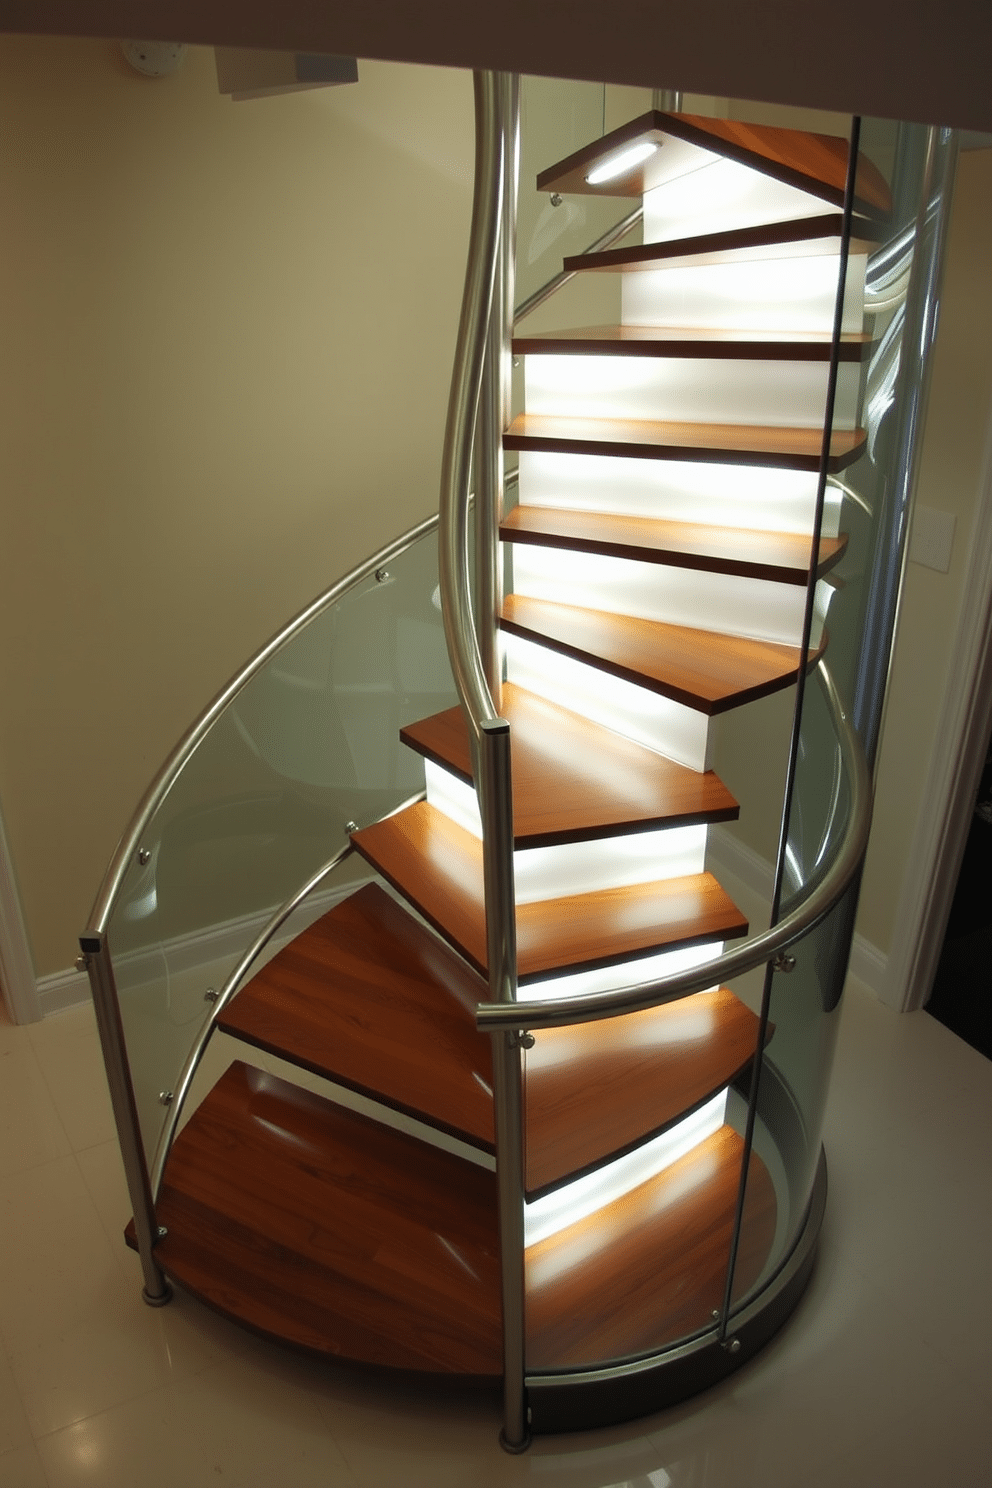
x=234 y=979
x=176 y=762
x=463 y=402
x=495 y=128
x=756 y=951
x=612 y=235
x=231 y=985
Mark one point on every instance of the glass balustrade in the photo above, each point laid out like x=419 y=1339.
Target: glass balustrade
x=309 y=744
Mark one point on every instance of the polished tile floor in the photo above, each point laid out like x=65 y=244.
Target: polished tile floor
x=882 y=1378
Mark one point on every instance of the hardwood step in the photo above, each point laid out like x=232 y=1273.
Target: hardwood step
x=315 y=1226
x=574 y=780
x=649 y=1268
x=597 y=1090
x=720 y=444
x=437 y=866
x=694 y=344
x=804 y=237
x=781 y=556
x=815 y=163
x=367 y=997
x=703 y=669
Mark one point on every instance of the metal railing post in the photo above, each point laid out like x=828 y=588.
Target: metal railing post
x=496 y=804
x=96 y=955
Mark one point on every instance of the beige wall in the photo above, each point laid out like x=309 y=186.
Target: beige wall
x=227 y=333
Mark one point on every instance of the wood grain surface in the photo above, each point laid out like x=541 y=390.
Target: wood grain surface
x=687 y=344
x=437 y=866
x=599 y=1089
x=313 y=1225
x=815 y=163
x=700 y=668
x=368 y=997
x=804 y=237
x=720 y=444
x=572 y=779
x=780 y=556
x=650 y=1268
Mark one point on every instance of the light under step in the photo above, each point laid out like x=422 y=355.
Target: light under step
x=316 y=1226
x=812 y=163
x=701 y=669
x=724 y=444
x=573 y=780
x=650 y=1267
x=781 y=556
x=805 y=237
x=598 y=1089
x=694 y=344
x=437 y=866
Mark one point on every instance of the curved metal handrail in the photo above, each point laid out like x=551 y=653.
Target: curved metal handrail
x=182 y=753
x=234 y=979
x=231 y=985
x=466 y=381
x=757 y=950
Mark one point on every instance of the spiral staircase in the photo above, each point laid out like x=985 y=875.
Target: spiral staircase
x=661 y=552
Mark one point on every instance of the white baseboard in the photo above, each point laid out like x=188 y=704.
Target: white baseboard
x=61 y=990
x=870 y=965
x=730 y=859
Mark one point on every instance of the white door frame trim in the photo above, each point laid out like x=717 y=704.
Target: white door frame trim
x=17 y=976
x=955 y=767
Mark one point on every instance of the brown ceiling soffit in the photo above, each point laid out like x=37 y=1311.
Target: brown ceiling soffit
x=894 y=58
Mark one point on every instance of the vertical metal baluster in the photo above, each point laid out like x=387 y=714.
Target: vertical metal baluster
x=96 y=955
x=496 y=804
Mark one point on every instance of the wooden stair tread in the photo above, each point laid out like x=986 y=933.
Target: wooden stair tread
x=649 y=1268
x=703 y=669
x=726 y=444
x=694 y=343
x=805 y=236
x=574 y=780
x=595 y=1090
x=367 y=997
x=315 y=1226
x=437 y=866
x=781 y=556
x=814 y=163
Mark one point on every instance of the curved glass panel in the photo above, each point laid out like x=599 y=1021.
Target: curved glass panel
x=804 y=1004
x=310 y=744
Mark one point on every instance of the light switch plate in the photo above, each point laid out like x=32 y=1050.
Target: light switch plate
x=932 y=538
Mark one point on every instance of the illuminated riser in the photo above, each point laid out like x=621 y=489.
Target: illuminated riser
x=624 y=974
x=678 y=490
x=721 y=195
x=576 y=1200
x=690 y=390
x=679 y=596
x=578 y=867
x=780 y=294
x=669 y=728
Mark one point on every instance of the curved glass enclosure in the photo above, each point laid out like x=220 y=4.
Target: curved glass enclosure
x=604 y=912
x=306 y=748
